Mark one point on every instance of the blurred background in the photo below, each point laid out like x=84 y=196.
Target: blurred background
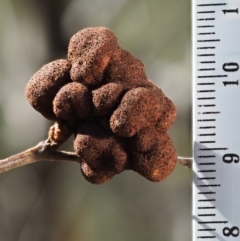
x=52 y=201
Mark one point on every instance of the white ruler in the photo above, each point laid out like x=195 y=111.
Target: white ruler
x=216 y=119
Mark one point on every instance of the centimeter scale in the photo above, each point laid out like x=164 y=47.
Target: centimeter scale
x=216 y=119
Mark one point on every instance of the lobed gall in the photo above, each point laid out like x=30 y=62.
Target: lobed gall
x=118 y=117
x=44 y=85
x=72 y=102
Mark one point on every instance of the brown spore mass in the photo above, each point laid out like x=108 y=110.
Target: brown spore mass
x=100 y=151
x=72 y=102
x=106 y=98
x=139 y=108
x=102 y=95
x=158 y=162
x=44 y=85
x=126 y=70
x=89 y=53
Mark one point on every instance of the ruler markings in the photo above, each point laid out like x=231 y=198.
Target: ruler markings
x=206 y=193
x=209 y=69
x=208 y=40
x=207 y=127
x=206 y=83
x=210 y=185
x=206 y=170
x=209 y=222
x=210 y=47
x=205 y=142
x=206 y=120
x=203 y=91
x=209 y=156
x=206 y=12
x=211 y=4
x=207 y=178
x=205 y=26
x=213 y=149
x=207 y=200
x=206 y=236
x=207 y=98
x=206 y=207
x=209 y=113
x=207 y=105
x=206 y=164
x=205 y=55
x=207 y=134
x=208 y=62
x=212 y=76
x=205 y=19
x=208 y=33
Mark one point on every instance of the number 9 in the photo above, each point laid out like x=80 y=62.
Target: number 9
x=229 y=158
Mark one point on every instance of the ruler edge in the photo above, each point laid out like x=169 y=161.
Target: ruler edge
x=193 y=74
x=194 y=119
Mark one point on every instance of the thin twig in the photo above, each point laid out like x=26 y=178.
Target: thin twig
x=45 y=151
x=185 y=161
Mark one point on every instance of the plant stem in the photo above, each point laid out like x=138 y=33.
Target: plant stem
x=44 y=151
x=185 y=161
x=41 y=152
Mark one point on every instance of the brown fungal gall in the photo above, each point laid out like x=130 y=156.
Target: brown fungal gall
x=126 y=70
x=106 y=98
x=95 y=177
x=168 y=116
x=44 y=85
x=89 y=53
x=139 y=108
x=157 y=163
x=144 y=140
x=101 y=153
x=119 y=118
x=72 y=102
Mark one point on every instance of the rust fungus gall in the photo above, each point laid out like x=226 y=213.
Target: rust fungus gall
x=118 y=117
x=44 y=85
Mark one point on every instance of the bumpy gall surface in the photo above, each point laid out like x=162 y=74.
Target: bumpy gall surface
x=72 y=102
x=158 y=162
x=107 y=98
x=89 y=53
x=44 y=85
x=103 y=154
x=119 y=118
